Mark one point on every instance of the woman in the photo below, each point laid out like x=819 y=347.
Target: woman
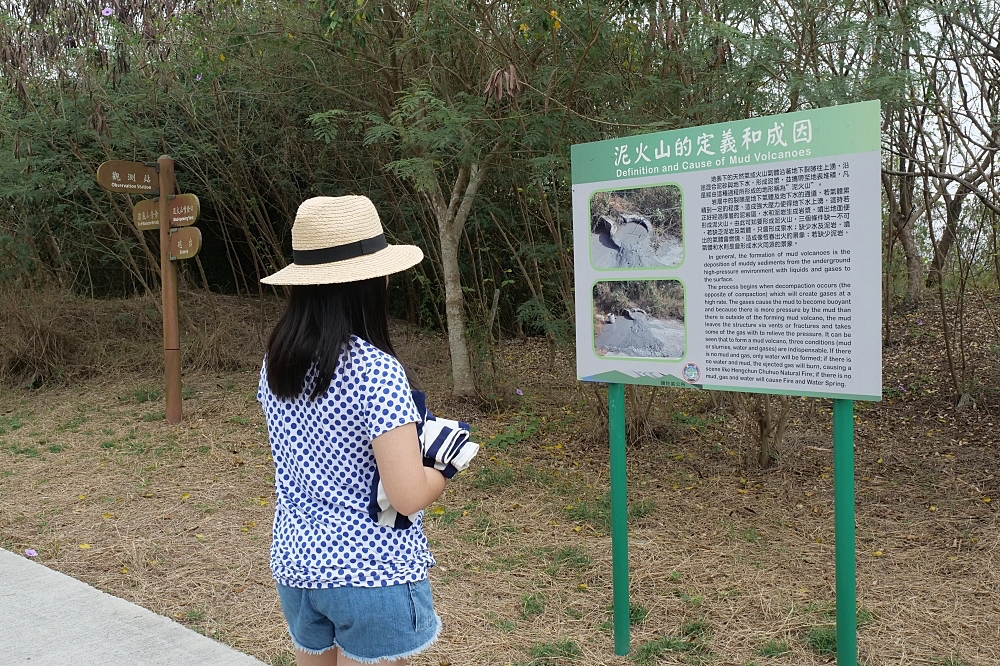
x=339 y=414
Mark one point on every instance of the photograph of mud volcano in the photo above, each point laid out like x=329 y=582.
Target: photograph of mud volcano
x=636 y=228
x=639 y=318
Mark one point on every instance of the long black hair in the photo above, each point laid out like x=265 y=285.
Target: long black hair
x=316 y=328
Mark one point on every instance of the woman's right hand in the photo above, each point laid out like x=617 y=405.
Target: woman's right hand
x=409 y=485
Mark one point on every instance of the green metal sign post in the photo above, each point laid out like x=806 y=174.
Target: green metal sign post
x=843 y=527
x=843 y=503
x=619 y=517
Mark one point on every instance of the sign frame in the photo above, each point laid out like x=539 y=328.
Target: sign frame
x=755 y=206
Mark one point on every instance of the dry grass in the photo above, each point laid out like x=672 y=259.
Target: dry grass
x=52 y=336
x=725 y=559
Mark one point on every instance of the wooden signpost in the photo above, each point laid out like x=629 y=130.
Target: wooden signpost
x=172 y=215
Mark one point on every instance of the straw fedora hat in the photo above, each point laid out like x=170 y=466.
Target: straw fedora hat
x=340 y=239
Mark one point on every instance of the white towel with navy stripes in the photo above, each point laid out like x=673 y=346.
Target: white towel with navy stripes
x=445 y=445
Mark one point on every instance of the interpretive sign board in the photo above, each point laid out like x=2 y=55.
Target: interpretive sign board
x=184 y=209
x=123 y=176
x=742 y=256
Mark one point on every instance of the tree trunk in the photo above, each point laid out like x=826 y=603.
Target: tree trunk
x=451 y=216
x=901 y=218
x=953 y=211
x=454 y=307
x=914 y=267
x=906 y=215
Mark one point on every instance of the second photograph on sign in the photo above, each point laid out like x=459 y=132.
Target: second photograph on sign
x=639 y=319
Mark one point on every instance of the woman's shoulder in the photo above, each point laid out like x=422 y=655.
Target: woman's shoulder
x=372 y=360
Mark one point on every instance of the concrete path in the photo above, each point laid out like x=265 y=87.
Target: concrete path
x=50 y=619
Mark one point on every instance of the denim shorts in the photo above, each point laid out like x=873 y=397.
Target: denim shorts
x=368 y=624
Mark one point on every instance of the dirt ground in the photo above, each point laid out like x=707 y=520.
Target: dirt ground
x=730 y=564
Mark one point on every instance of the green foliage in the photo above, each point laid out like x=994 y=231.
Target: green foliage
x=637 y=614
x=265 y=104
x=649 y=653
x=283 y=659
x=947 y=661
x=822 y=640
x=19 y=450
x=537 y=314
x=505 y=625
x=694 y=421
x=11 y=422
x=598 y=513
x=773 y=648
x=865 y=616
x=494 y=476
x=532 y=604
x=443 y=515
x=695 y=629
x=524 y=427
x=573 y=557
x=560 y=652
x=146 y=394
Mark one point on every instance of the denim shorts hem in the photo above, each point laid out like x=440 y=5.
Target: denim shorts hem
x=302 y=648
x=402 y=655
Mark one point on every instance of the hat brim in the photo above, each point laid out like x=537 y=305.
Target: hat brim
x=392 y=259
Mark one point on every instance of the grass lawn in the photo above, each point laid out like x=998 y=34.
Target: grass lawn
x=730 y=565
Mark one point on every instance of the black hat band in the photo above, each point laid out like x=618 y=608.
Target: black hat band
x=328 y=255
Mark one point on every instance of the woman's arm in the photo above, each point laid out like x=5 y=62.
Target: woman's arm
x=409 y=485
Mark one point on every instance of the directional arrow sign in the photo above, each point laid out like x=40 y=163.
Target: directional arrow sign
x=146 y=214
x=184 y=210
x=121 y=176
x=184 y=243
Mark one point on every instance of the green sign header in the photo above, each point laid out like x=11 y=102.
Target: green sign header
x=835 y=130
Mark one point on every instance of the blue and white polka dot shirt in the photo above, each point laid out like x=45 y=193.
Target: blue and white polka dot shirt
x=324 y=464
